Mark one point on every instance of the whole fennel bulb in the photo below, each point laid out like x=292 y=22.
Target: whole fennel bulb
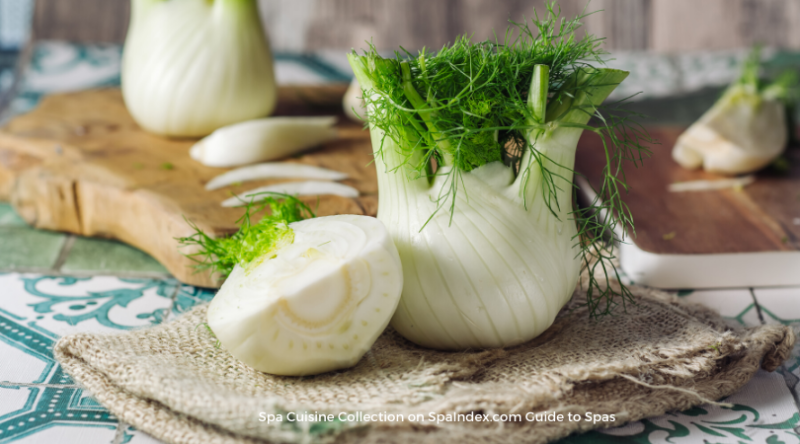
x=192 y=66
x=488 y=241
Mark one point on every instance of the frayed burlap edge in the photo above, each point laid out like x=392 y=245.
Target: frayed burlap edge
x=741 y=355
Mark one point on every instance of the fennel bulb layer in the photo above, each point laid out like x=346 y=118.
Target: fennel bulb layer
x=314 y=305
x=192 y=66
x=260 y=140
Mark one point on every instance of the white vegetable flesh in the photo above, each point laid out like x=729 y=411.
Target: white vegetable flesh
x=710 y=185
x=192 y=66
x=743 y=132
x=305 y=188
x=263 y=140
x=353 y=104
x=495 y=276
x=277 y=170
x=315 y=305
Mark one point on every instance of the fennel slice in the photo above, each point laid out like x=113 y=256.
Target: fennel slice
x=304 y=188
x=262 y=140
x=273 y=170
x=710 y=185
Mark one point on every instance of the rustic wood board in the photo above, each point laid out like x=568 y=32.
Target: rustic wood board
x=708 y=239
x=79 y=163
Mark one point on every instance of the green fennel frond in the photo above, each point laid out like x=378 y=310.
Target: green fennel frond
x=253 y=240
x=473 y=103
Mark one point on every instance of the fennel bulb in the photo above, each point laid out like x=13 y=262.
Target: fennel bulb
x=743 y=132
x=192 y=66
x=303 y=297
x=263 y=139
x=488 y=240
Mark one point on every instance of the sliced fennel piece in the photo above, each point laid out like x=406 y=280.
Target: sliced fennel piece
x=192 y=66
x=315 y=305
x=741 y=133
x=305 y=188
x=263 y=140
x=744 y=130
x=276 y=170
x=710 y=185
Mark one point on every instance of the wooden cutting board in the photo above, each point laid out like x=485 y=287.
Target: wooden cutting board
x=725 y=238
x=79 y=163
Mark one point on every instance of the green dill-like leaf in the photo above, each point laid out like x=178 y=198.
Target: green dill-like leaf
x=253 y=241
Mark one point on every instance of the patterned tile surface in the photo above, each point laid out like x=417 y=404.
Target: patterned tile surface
x=72 y=289
x=37 y=400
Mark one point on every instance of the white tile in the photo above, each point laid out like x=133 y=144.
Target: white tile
x=70 y=434
x=779 y=305
x=16 y=364
x=14 y=400
x=736 y=305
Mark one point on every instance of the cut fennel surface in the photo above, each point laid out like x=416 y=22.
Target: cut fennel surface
x=745 y=130
x=314 y=305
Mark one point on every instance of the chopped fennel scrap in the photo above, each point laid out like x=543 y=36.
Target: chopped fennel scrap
x=276 y=170
x=744 y=131
x=302 y=297
x=263 y=140
x=709 y=185
x=305 y=188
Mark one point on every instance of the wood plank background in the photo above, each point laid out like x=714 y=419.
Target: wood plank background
x=305 y=25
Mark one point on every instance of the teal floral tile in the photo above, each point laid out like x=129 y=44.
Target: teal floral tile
x=782 y=306
x=763 y=412
x=26 y=248
x=108 y=256
x=61 y=305
x=39 y=403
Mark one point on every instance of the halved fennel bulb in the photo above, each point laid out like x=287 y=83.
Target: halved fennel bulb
x=315 y=305
x=743 y=132
x=192 y=66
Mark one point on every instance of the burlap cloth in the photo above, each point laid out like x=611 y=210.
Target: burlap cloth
x=664 y=354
